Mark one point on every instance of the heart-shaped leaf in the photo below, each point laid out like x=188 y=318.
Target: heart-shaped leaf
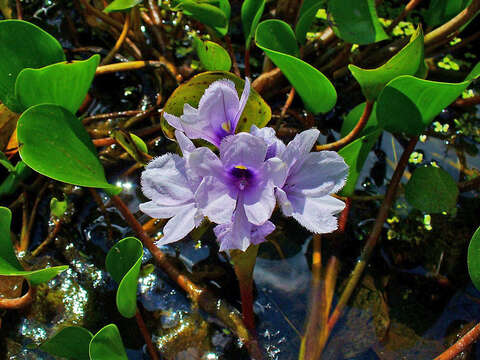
x=123 y=263
x=256 y=112
x=23 y=45
x=251 y=12
x=432 y=190
x=64 y=84
x=107 y=345
x=212 y=56
x=473 y=259
x=71 y=342
x=9 y=265
x=277 y=39
x=54 y=143
x=356 y=21
x=406 y=62
x=306 y=17
x=121 y=5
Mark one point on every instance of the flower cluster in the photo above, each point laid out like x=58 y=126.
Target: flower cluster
x=238 y=189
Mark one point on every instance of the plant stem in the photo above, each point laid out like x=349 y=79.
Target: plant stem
x=374 y=235
x=20 y=302
x=51 y=235
x=408 y=8
x=146 y=336
x=337 y=145
x=465 y=341
x=127 y=66
x=119 y=42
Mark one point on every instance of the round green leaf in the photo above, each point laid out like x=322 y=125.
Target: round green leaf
x=212 y=56
x=432 y=190
x=121 y=5
x=408 y=104
x=306 y=17
x=64 y=84
x=9 y=265
x=251 y=14
x=356 y=21
x=277 y=39
x=123 y=263
x=407 y=61
x=215 y=17
x=71 y=342
x=107 y=345
x=23 y=45
x=473 y=259
x=256 y=111
x=54 y=143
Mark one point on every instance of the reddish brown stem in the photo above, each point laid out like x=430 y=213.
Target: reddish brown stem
x=246 y=295
x=103 y=142
x=461 y=345
x=48 y=240
x=119 y=42
x=19 y=9
x=471 y=101
x=20 y=302
x=408 y=8
x=146 y=336
x=337 y=145
x=288 y=102
x=374 y=235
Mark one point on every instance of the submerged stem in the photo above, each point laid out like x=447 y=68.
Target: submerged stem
x=463 y=343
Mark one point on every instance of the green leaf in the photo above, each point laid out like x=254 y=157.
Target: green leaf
x=251 y=14
x=474 y=73
x=71 y=342
x=277 y=39
x=9 y=265
x=54 y=143
x=307 y=14
x=123 y=263
x=6 y=163
x=355 y=155
x=432 y=190
x=408 y=104
x=440 y=11
x=107 y=345
x=473 y=259
x=64 y=84
x=212 y=56
x=256 y=111
x=407 y=61
x=23 y=45
x=58 y=208
x=215 y=17
x=354 y=116
x=121 y=5
x=356 y=21
x=14 y=178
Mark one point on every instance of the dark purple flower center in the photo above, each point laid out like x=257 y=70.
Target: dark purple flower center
x=242 y=176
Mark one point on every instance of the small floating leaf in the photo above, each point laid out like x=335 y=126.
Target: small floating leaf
x=121 y=5
x=58 y=208
x=212 y=56
x=356 y=21
x=123 y=263
x=107 y=345
x=407 y=61
x=277 y=39
x=256 y=111
x=71 y=342
x=23 y=45
x=432 y=190
x=64 y=84
x=54 y=143
x=473 y=259
x=252 y=11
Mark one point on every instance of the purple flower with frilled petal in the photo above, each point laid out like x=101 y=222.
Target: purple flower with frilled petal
x=275 y=145
x=311 y=178
x=238 y=187
x=218 y=113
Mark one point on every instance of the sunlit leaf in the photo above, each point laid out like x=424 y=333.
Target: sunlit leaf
x=440 y=11
x=407 y=61
x=23 y=45
x=208 y=14
x=123 y=263
x=71 y=342
x=121 y=5
x=54 y=143
x=306 y=17
x=212 y=56
x=9 y=265
x=252 y=11
x=64 y=84
x=58 y=208
x=107 y=345
x=432 y=190
x=473 y=259
x=356 y=21
x=277 y=39
x=256 y=111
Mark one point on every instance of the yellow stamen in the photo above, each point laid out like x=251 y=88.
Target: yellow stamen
x=241 y=167
x=226 y=126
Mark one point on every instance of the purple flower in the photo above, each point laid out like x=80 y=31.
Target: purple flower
x=218 y=113
x=275 y=145
x=238 y=187
x=311 y=177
